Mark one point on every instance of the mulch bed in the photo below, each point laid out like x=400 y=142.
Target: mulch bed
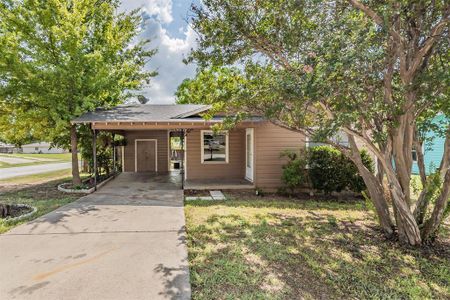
x=13 y=210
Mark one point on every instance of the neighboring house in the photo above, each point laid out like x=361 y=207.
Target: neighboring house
x=247 y=156
x=41 y=147
x=433 y=150
x=7 y=148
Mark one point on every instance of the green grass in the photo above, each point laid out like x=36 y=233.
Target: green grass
x=292 y=249
x=44 y=196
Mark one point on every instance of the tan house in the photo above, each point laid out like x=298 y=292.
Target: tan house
x=247 y=156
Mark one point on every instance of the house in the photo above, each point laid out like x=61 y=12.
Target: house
x=246 y=156
x=41 y=147
x=7 y=148
x=433 y=148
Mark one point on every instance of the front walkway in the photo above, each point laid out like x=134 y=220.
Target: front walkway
x=126 y=241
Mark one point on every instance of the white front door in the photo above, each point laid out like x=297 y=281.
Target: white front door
x=249 y=147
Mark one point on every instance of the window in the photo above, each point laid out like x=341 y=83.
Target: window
x=339 y=138
x=214 y=146
x=414 y=155
x=36 y=148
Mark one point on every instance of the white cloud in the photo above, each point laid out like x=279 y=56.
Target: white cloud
x=168 y=62
x=160 y=9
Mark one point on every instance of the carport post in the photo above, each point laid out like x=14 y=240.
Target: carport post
x=182 y=158
x=114 y=153
x=94 y=155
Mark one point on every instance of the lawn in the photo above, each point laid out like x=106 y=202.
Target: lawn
x=293 y=249
x=38 y=190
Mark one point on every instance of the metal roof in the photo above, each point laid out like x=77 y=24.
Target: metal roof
x=142 y=113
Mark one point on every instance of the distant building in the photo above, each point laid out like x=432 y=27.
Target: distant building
x=7 y=148
x=41 y=147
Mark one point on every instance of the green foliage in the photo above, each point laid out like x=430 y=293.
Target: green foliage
x=324 y=168
x=104 y=149
x=329 y=170
x=294 y=174
x=59 y=59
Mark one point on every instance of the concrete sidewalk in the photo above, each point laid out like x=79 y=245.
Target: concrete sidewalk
x=126 y=241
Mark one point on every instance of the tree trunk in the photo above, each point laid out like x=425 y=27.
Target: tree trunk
x=445 y=163
x=407 y=226
x=380 y=172
x=374 y=188
x=421 y=206
x=401 y=149
x=76 y=180
x=433 y=223
x=423 y=200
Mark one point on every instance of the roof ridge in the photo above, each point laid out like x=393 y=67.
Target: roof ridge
x=203 y=108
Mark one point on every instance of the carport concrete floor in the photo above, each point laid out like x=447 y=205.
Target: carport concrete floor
x=125 y=241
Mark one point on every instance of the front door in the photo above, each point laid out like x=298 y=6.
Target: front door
x=249 y=148
x=145 y=160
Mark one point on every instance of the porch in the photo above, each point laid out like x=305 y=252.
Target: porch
x=215 y=184
x=151 y=181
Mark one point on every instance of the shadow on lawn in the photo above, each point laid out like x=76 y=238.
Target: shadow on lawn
x=316 y=256
x=35 y=191
x=44 y=196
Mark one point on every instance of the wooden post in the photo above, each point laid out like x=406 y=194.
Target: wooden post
x=182 y=137
x=114 y=154
x=94 y=155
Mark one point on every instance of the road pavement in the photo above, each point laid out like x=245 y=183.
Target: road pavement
x=6 y=173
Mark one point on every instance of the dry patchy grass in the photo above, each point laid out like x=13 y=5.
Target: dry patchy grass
x=290 y=249
x=40 y=191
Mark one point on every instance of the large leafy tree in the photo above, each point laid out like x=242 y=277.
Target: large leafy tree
x=378 y=71
x=61 y=58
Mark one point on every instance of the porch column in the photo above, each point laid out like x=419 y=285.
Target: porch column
x=182 y=158
x=94 y=156
x=114 y=153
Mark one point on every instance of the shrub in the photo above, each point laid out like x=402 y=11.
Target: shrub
x=324 y=168
x=329 y=170
x=294 y=171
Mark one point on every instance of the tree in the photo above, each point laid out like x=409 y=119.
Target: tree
x=61 y=58
x=374 y=70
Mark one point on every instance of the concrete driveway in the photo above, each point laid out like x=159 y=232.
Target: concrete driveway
x=126 y=241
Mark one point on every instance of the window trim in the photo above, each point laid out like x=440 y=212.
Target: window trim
x=202 y=150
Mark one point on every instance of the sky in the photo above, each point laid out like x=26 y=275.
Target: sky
x=166 y=25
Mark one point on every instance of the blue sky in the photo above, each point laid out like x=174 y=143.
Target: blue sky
x=165 y=24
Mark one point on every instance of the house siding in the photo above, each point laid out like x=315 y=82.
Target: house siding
x=163 y=152
x=432 y=151
x=235 y=168
x=270 y=141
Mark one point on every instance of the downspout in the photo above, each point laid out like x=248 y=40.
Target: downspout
x=94 y=155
